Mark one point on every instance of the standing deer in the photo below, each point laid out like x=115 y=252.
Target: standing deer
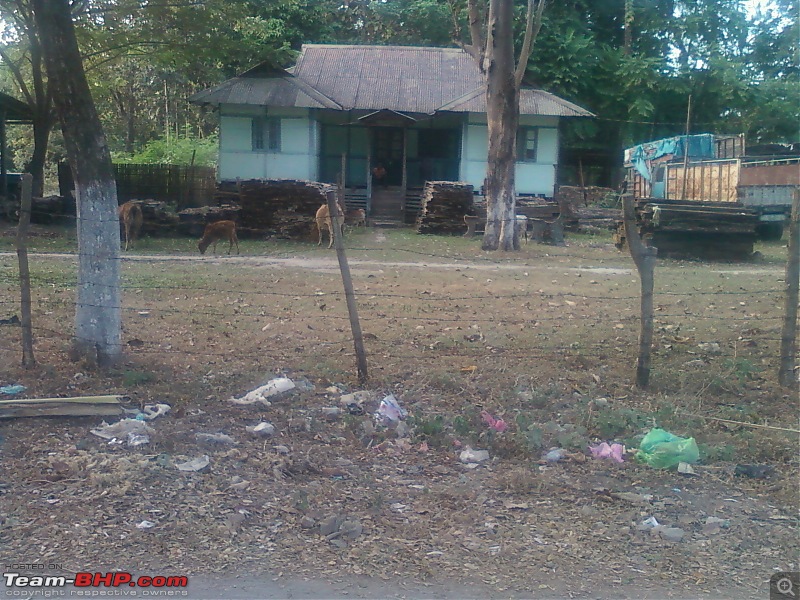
x=324 y=220
x=214 y=232
x=130 y=215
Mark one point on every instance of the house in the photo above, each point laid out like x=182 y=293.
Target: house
x=395 y=116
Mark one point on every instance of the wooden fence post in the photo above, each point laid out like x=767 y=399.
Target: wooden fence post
x=347 y=282
x=28 y=359
x=645 y=259
x=786 y=373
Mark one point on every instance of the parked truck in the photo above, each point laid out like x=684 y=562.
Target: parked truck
x=716 y=170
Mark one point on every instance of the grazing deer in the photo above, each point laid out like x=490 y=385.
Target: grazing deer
x=130 y=214
x=356 y=218
x=214 y=232
x=323 y=219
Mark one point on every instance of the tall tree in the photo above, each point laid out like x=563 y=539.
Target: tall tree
x=97 y=312
x=24 y=59
x=492 y=46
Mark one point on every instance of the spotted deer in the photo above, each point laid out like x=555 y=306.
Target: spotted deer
x=130 y=215
x=323 y=219
x=214 y=232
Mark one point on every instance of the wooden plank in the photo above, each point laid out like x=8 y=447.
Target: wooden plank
x=51 y=407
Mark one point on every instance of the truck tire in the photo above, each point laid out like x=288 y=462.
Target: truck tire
x=770 y=231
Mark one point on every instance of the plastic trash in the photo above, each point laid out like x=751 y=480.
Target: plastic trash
x=555 y=455
x=196 y=464
x=661 y=449
x=473 y=456
x=648 y=523
x=138 y=439
x=10 y=390
x=151 y=411
x=123 y=430
x=499 y=425
x=606 y=450
x=263 y=429
x=145 y=525
x=390 y=410
x=215 y=438
x=271 y=389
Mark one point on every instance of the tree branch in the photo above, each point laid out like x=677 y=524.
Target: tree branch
x=477 y=48
x=18 y=76
x=533 y=23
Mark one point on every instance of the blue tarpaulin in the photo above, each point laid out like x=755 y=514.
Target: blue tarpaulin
x=699 y=146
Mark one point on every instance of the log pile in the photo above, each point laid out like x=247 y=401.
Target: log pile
x=50 y=209
x=192 y=221
x=573 y=201
x=157 y=217
x=284 y=207
x=681 y=229
x=443 y=207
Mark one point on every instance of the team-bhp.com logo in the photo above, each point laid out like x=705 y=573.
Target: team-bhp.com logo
x=94 y=580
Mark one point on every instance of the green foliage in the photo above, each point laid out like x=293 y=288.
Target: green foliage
x=611 y=423
x=174 y=151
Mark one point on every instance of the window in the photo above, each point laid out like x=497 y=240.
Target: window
x=527 y=144
x=266 y=134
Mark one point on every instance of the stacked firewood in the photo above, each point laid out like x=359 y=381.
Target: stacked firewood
x=157 y=217
x=192 y=221
x=285 y=207
x=443 y=206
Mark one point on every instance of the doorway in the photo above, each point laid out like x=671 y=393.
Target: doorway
x=387 y=156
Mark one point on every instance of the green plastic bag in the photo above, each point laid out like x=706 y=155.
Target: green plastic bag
x=661 y=450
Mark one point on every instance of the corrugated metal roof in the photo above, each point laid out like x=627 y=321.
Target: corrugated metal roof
x=265 y=86
x=400 y=78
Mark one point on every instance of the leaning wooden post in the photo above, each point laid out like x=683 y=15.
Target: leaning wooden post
x=786 y=373
x=347 y=282
x=645 y=259
x=28 y=359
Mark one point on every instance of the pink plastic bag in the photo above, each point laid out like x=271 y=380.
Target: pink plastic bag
x=612 y=451
x=499 y=425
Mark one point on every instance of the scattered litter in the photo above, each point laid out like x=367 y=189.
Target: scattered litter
x=713 y=525
x=648 y=523
x=555 y=455
x=390 y=411
x=661 y=449
x=196 y=464
x=151 y=411
x=357 y=398
x=216 y=438
x=13 y=320
x=710 y=347
x=81 y=406
x=632 y=497
x=129 y=429
x=669 y=534
x=271 y=389
x=473 y=456
x=754 y=471
x=499 y=425
x=145 y=525
x=10 y=390
x=331 y=413
x=263 y=429
x=281 y=449
x=606 y=450
x=138 y=439
x=686 y=469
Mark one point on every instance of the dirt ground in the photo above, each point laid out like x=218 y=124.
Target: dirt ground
x=335 y=504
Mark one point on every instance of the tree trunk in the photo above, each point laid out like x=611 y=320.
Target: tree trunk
x=41 y=138
x=97 y=313
x=502 y=113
